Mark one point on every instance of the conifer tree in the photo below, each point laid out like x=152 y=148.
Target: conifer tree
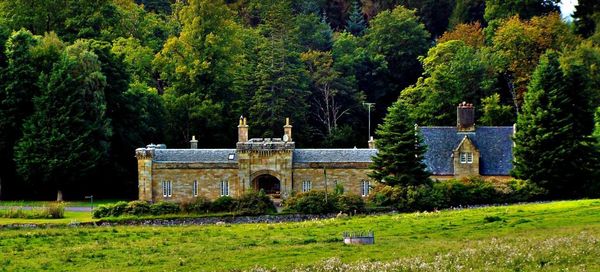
x=400 y=151
x=356 y=22
x=553 y=148
x=66 y=137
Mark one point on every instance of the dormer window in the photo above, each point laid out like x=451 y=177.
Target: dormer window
x=466 y=157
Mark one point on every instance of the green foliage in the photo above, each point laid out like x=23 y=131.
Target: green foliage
x=454 y=193
x=137 y=208
x=400 y=38
x=553 y=147
x=312 y=202
x=466 y=11
x=494 y=113
x=164 y=207
x=399 y=159
x=500 y=9
x=356 y=22
x=52 y=211
x=587 y=17
x=454 y=72
x=350 y=203
x=255 y=203
x=223 y=204
x=66 y=137
x=198 y=205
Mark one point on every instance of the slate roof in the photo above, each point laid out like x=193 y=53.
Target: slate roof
x=194 y=155
x=333 y=155
x=494 y=143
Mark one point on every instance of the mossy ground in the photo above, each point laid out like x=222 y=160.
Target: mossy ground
x=426 y=236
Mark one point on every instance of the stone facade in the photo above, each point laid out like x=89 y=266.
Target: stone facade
x=271 y=164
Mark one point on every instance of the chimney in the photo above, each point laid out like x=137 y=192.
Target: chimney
x=242 y=130
x=194 y=143
x=465 y=117
x=371 y=143
x=287 y=130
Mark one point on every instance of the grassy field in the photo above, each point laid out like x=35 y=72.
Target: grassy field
x=80 y=203
x=556 y=236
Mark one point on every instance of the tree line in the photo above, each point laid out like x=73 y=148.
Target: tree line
x=83 y=83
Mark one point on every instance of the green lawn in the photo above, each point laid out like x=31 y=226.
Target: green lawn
x=70 y=217
x=78 y=203
x=550 y=236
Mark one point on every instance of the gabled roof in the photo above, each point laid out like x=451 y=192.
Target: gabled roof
x=494 y=143
x=333 y=155
x=195 y=155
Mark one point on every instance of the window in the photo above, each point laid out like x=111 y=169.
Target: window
x=231 y=156
x=167 y=187
x=224 y=188
x=195 y=188
x=306 y=185
x=365 y=188
x=466 y=157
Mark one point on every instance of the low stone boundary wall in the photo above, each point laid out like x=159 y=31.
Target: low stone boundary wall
x=185 y=221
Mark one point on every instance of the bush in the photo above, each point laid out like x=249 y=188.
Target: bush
x=312 y=202
x=350 y=204
x=137 y=207
x=223 y=204
x=118 y=208
x=198 y=205
x=255 y=203
x=164 y=207
x=523 y=190
x=55 y=211
x=102 y=211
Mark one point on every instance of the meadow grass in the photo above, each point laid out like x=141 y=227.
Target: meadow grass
x=549 y=236
x=34 y=203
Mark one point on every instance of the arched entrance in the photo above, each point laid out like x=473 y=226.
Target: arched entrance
x=269 y=184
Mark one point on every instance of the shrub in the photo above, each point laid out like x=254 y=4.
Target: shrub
x=118 y=208
x=350 y=203
x=164 y=207
x=102 y=211
x=312 y=202
x=55 y=211
x=255 y=203
x=385 y=196
x=137 y=207
x=523 y=190
x=198 y=205
x=223 y=204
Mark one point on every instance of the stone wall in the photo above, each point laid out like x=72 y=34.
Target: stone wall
x=209 y=177
x=349 y=175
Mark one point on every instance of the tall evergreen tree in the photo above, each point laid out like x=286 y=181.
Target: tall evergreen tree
x=66 y=138
x=281 y=79
x=553 y=148
x=356 y=22
x=399 y=160
x=18 y=86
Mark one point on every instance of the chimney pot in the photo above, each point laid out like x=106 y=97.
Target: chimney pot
x=194 y=143
x=465 y=117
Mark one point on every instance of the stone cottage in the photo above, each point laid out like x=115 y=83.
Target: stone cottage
x=276 y=166
x=466 y=150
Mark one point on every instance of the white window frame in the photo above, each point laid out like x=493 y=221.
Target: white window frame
x=195 y=188
x=306 y=186
x=224 y=187
x=167 y=187
x=466 y=157
x=365 y=188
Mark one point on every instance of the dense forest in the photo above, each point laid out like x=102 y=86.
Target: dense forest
x=85 y=82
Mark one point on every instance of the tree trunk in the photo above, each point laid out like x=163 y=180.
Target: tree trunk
x=59 y=196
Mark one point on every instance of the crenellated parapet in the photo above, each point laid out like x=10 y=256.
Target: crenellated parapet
x=144 y=153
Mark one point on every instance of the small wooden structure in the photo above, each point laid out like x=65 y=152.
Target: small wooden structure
x=359 y=238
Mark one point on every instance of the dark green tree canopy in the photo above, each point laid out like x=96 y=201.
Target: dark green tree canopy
x=400 y=151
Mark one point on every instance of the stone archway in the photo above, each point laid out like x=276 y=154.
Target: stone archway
x=268 y=183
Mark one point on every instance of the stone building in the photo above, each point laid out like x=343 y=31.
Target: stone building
x=271 y=164
x=465 y=150
x=276 y=166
